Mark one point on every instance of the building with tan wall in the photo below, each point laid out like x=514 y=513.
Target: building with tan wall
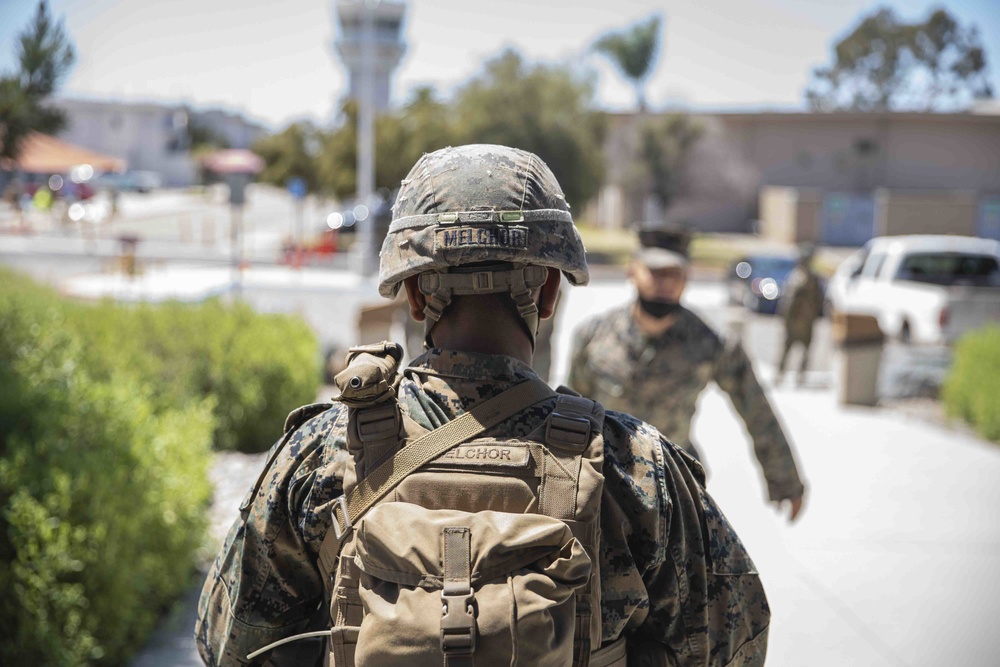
x=834 y=178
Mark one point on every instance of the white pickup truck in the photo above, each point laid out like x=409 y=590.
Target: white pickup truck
x=922 y=289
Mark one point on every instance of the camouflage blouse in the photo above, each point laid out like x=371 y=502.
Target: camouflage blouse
x=676 y=580
x=659 y=379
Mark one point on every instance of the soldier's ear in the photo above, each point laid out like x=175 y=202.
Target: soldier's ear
x=416 y=298
x=548 y=295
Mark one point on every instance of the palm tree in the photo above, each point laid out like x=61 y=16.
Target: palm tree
x=633 y=50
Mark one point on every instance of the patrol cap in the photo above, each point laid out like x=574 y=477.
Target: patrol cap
x=663 y=247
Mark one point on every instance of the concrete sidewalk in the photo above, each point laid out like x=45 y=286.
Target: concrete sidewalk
x=896 y=558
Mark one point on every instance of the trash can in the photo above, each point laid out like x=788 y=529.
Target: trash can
x=859 y=341
x=130 y=244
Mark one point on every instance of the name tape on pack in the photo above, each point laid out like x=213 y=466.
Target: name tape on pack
x=490 y=454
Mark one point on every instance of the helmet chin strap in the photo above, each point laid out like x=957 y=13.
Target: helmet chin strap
x=519 y=282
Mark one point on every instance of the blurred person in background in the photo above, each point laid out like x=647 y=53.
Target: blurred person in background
x=653 y=358
x=800 y=306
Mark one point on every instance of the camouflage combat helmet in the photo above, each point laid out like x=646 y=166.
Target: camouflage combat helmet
x=480 y=219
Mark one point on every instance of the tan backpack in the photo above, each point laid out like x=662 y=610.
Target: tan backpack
x=452 y=549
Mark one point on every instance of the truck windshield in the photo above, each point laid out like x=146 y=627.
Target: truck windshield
x=950 y=268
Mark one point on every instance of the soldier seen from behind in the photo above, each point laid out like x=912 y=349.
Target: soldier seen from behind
x=653 y=357
x=462 y=512
x=800 y=306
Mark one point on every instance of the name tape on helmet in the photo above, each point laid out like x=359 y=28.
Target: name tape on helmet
x=493 y=236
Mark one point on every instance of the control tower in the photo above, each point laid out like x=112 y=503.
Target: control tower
x=386 y=19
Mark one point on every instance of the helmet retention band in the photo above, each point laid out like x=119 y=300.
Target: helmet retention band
x=519 y=282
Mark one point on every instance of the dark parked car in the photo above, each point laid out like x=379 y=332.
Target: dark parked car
x=757 y=281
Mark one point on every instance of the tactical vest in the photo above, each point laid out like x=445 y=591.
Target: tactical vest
x=450 y=548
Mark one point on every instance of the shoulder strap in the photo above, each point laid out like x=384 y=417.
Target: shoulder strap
x=348 y=510
x=571 y=433
x=574 y=441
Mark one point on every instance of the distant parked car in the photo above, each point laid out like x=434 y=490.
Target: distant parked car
x=757 y=281
x=922 y=289
x=130 y=181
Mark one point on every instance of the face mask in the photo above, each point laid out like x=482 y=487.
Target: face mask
x=658 y=309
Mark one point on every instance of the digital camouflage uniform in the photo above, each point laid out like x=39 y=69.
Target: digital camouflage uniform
x=685 y=600
x=674 y=576
x=660 y=378
x=800 y=307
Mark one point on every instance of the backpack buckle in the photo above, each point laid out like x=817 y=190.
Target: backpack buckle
x=338 y=531
x=572 y=433
x=458 y=624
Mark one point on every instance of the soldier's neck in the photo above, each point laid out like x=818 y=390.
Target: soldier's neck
x=483 y=337
x=649 y=325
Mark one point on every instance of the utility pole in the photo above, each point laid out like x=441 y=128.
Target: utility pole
x=369 y=45
x=367 y=253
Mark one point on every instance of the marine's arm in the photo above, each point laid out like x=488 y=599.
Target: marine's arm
x=734 y=374
x=265 y=585
x=706 y=602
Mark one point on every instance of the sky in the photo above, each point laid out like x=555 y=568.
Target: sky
x=274 y=60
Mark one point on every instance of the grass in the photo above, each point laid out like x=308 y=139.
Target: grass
x=717 y=251
x=607 y=246
x=708 y=251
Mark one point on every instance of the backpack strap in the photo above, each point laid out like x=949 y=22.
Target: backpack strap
x=569 y=432
x=347 y=510
x=573 y=433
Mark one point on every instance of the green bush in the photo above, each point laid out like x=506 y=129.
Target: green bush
x=107 y=417
x=261 y=368
x=254 y=367
x=102 y=496
x=973 y=384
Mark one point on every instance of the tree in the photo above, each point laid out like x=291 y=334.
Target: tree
x=664 y=145
x=634 y=51
x=45 y=56
x=423 y=125
x=887 y=64
x=202 y=139
x=543 y=109
x=291 y=152
x=337 y=160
